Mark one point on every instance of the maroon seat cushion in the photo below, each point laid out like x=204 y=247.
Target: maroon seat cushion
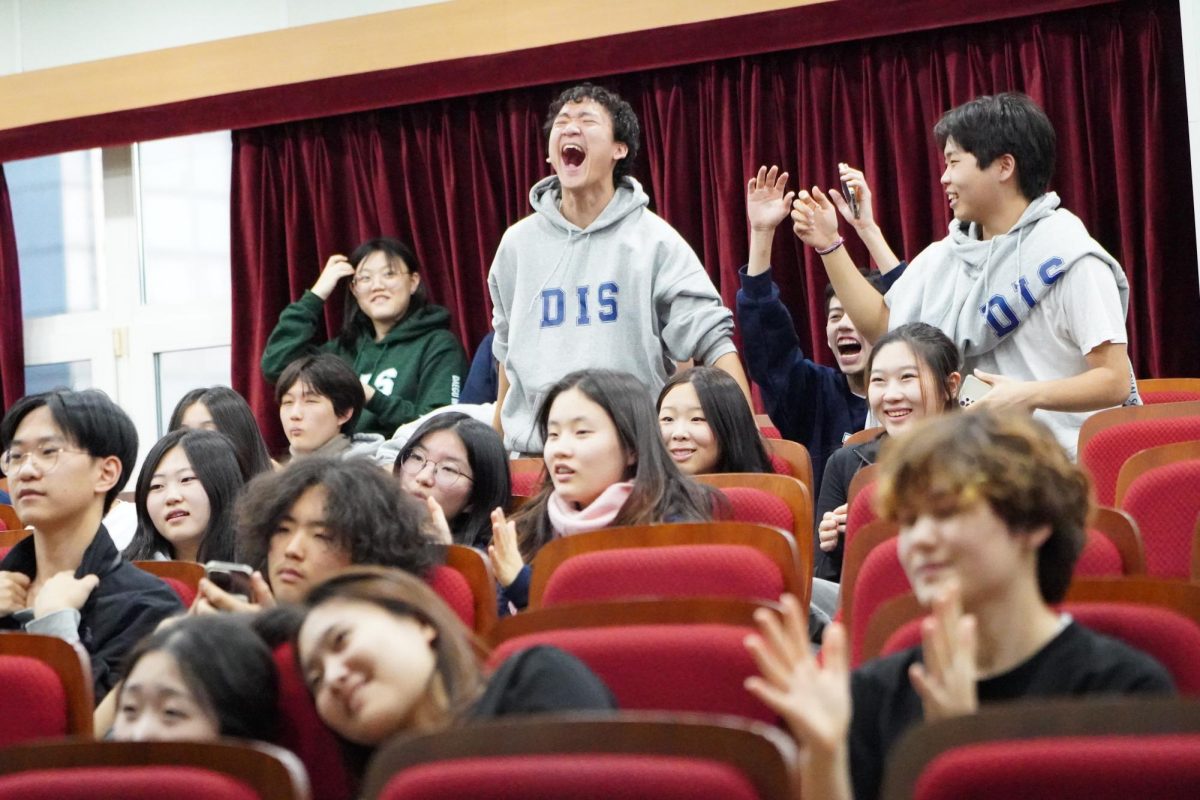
x=757 y=505
x=1109 y=449
x=880 y=579
x=1165 y=767
x=526 y=484
x=1099 y=557
x=455 y=589
x=711 y=570
x=576 y=776
x=123 y=783
x=661 y=667
x=302 y=732
x=33 y=701
x=1165 y=501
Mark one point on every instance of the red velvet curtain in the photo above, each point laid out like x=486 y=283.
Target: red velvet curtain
x=12 y=334
x=451 y=175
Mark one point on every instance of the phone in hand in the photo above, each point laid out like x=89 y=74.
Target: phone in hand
x=230 y=577
x=971 y=391
x=851 y=195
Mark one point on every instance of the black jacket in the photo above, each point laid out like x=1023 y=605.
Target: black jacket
x=843 y=465
x=126 y=605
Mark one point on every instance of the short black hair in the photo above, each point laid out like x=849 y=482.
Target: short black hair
x=88 y=419
x=214 y=462
x=329 y=376
x=992 y=125
x=402 y=258
x=626 y=128
x=366 y=512
x=488 y=460
x=874 y=277
x=232 y=416
x=227 y=667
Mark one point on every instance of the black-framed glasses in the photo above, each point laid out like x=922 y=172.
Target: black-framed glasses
x=444 y=475
x=44 y=457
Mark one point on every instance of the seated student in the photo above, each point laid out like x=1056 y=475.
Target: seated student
x=398 y=342
x=319 y=515
x=812 y=404
x=196 y=680
x=222 y=409
x=67 y=455
x=707 y=426
x=992 y=518
x=913 y=373
x=383 y=655
x=1035 y=304
x=607 y=466
x=457 y=464
x=184 y=498
x=320 y=400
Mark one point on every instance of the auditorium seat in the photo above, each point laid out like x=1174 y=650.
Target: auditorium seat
x=1070 y=749
x=84 y=770
x=182 y=576
x=657 y=655
x=687 y=559
x=620 y=757
x=45 y=689
x=1108 y=438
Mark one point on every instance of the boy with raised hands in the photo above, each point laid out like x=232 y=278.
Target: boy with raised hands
x=1034 y=303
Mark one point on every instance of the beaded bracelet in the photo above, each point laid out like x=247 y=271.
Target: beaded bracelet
x=838 y=242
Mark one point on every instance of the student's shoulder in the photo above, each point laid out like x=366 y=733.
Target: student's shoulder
x=884 y=676
x=1105 y=664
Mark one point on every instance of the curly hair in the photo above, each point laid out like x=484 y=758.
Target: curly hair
x=1009 y=461
x=366 y=513
x=626 y=128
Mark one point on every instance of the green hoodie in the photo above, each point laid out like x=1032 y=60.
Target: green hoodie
x=419 y=365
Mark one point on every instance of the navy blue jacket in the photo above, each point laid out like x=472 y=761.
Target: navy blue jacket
x=809 y=403
x=483 y=382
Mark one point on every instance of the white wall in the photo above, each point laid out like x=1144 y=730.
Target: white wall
x=1189 y=13
x=36 y=34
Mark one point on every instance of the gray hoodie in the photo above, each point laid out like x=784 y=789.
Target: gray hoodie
x=626 y=293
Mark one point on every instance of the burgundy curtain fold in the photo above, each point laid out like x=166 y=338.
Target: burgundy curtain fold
x=12 y=335
x=451 y=175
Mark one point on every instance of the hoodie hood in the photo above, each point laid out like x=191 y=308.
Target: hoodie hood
x=416 y=325
x=974 y=253
x=546 y=195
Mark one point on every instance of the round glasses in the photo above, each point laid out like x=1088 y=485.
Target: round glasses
x=387 y=277
x=444 y=475
x=44 y=457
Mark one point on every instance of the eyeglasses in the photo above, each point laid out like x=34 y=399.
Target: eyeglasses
x=44 y=457
x=387 y=277
x=444 y=475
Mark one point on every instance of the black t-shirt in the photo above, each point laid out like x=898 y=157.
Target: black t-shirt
x=542 y=680
x=1076 y=662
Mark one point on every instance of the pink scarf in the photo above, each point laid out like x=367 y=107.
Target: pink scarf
x=600 y=514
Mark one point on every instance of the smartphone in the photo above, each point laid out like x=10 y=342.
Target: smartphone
x=851 y=195
x=230 y=577
x=971 y=390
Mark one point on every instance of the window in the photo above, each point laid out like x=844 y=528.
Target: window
x=124 y=257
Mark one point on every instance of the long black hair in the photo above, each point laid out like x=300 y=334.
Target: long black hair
x=212 y=457
x=739 y=444
x=401 y=258
x=492 y=485
x=227 y=667
x=232 y=416
x=661 y=493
